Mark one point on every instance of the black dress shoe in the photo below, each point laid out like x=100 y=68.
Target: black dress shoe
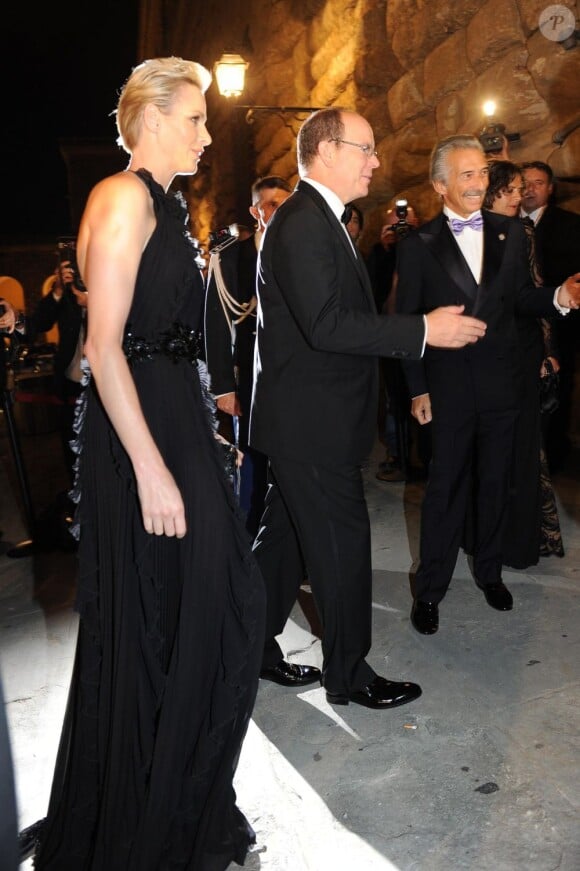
x=290 y=674
x=380 y=693
x=498 y=596
x=425 y=617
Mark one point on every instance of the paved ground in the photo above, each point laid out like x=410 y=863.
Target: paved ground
x=480 y=773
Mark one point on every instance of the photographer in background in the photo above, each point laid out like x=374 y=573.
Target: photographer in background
x=65 y=305
x=12 y=322
x=382 y=258
x=495 y=146
x=355 y=223
x=393 y=400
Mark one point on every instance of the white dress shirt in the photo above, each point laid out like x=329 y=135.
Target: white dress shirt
x=470 y=243
x=535 y=215
x=334 y=203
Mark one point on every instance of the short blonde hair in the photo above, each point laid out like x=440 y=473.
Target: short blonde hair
x=154 y=81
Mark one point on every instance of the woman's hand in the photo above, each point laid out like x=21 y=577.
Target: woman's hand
x=161 y=503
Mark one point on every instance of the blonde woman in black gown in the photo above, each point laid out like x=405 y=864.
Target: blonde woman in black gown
x=170 y=599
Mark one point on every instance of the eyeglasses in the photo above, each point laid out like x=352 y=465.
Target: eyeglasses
x=367 y=150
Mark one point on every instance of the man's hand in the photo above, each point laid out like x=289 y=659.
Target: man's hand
x=447 y=327
x=229 y=404
x=421 y=408
x=569 y=293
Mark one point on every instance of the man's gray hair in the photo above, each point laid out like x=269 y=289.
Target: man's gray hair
x=440 y=153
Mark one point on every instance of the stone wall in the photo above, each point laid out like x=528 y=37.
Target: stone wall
x=416 y=69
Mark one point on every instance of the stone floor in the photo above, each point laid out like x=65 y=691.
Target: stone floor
x=479 y=774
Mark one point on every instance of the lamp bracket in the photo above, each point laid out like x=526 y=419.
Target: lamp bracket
x=274 y=110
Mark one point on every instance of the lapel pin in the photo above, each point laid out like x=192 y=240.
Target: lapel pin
x=501 y=237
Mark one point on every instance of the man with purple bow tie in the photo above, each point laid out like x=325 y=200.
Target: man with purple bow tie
x=464 y=257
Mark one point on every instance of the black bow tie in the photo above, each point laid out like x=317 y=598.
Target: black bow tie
x=346 y=215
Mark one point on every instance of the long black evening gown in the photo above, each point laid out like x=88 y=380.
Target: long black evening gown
x=171 y=631
x=532 y=523
x=532 y=526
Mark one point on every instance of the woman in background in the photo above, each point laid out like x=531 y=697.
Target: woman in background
x=170 y=598
x=533 y=527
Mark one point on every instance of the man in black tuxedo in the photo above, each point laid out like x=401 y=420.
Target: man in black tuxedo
x=230 y=330
x=464 y=256
x=314 y=406
x=557 y=235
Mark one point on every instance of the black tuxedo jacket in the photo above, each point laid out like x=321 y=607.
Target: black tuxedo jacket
x=318 y=339
x=433 y=272
x=557 y=235
x=238 y=266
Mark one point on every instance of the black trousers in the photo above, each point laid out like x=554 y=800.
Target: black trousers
x=316 y=523
x=472 y=440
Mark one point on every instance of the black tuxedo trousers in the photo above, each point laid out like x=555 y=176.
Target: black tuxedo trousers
x=314 y=412
x=315 y=527
x=472 y=390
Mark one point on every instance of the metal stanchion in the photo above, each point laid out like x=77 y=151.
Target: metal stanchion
x=26 y=547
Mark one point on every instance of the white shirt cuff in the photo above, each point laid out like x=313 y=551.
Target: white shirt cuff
x=561 y=308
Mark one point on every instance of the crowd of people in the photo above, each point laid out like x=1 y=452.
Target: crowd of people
x=184 y=585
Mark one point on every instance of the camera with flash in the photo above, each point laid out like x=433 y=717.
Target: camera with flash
x=402 y=228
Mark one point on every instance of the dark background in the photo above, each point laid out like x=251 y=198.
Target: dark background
x=61 y=67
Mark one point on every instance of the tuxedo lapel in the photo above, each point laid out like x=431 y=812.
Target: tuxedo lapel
x=495 y=233
x=362 y=273
x=338 y=228
x=439 y=239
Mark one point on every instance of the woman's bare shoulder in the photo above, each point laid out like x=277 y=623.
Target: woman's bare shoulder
x=121 y=193
x=123 y=183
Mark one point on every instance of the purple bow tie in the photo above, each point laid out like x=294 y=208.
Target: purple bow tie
x=475 y=222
